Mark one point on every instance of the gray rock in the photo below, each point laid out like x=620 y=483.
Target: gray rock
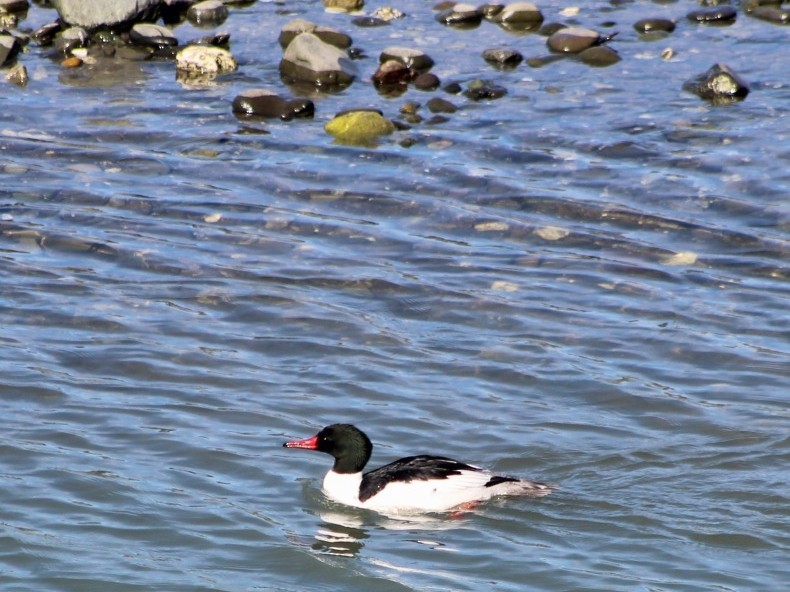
x=152 y=35
x=573 y=40
x=411 y=58
x=463 y=16
x=308 y=59
x=207 y=13
x=326 y=34
x=101 y=13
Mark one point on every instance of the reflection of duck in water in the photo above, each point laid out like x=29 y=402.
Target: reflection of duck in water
x=413 y=484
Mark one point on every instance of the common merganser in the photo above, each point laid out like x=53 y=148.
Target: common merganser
x=412 y=484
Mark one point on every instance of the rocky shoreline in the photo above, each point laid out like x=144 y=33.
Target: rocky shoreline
x=85 y=33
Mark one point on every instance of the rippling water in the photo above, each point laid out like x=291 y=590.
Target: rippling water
x=585 y=282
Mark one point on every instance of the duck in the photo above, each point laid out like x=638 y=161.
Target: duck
x=414 y=484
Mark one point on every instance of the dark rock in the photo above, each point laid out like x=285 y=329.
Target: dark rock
x=392 y=73
x=13 y=6
x=490 y=11
x=215 y=40
x=721 y=15
x=98 y=13
x=653 y=25
x=719 y=84
x=45 y=34
x=427 y=82
x=411 y=58
x=347 y=5
x=461 y=16
x=309 y=59
x=152 y=36
x=298 y=26
x=483 y=90
x=264 y=103
x=18 y=75
x=772 y=14
x=369 y=21
x=548 y=29
x=438 y=105
x=452 y=88
x=207 y=13
x=520 y=16
x=600 y=56
x=9 y=48
x=505 y=58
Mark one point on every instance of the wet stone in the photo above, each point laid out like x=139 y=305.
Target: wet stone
x=387 y=13
x=12 y=6
x=573 y=40
x=393 y=72
x=9 y=48
x=484 y=90
x=520 y=15
x=721 y=15
x=18 y=75
x=152 y=35
x=461 y=16
x=719 y=84
x=439 y=105
x=347 y=5
x=369 y=21
x=45 y=34
x=772 y=14
x=71 y=38
x=411 y=58
x=207 y=13
x=359 y=128
x=92 y=14
x=309 y=59
x=267 y=104
x=326 y=34
x=599 y=56
x=427 y=82
x=504 y=58
x=490 y=11
x=72 y=62
x=215 y=40
x=654 y=25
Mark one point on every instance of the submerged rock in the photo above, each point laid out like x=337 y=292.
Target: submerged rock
x=309 y=59
x=100 y=13
x=772 y=14
x=265 y=103
x=719 y=84
x=462 y=16
x=484 y=90
x=520 y=16
x=576 y=39
x=718 y=15
x=504 y=58
x=359 y=128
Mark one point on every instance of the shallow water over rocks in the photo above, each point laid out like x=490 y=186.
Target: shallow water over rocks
x=584 y=281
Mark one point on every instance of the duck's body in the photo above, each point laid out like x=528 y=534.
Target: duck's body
x=414 y=484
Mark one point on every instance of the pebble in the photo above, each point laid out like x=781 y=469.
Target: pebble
x=344 y=5
x=309 y=59
x=388 y=13
x=772 y=14
x=45 y=34
x=654 y=25
x=427 y=82
x=520 y=15
x=265 y=103
x=484 y=90
x=439 y=105
x=72 y=62
x=505 y=58
x=207 y=13
x=599 y=56
x=411 y=58
x=393 y=72
x=326 y=34
x=71 y=38
x=11 y=6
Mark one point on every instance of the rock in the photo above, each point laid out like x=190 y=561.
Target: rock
x=522 y=16
x=411 y=58
x=326 y=34
x=72 y=62
x=575 y=40
x=152 y=35
x=18 y=75
x=599 y=55
x=45 y=34
x=772 y=14
x=207 y=13
x=439 y=105
x=393 y=73
x=480 y=90
x=359 y=128
x=387 y=13
x=205 y=60
x=100 y=13
x=461 y=16
x=654 y=25
x=719 y=84
x=215 y=40
x=719 y=15
x=369 y=21
x=9 y=47
x=427 y=82
x=265 y=103
x=71 y=38
x=504 y=58
x=12 y=6
x=347 y=5
x=309 y=59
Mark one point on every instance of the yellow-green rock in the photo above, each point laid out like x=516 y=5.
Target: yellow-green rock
x=359 y=128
